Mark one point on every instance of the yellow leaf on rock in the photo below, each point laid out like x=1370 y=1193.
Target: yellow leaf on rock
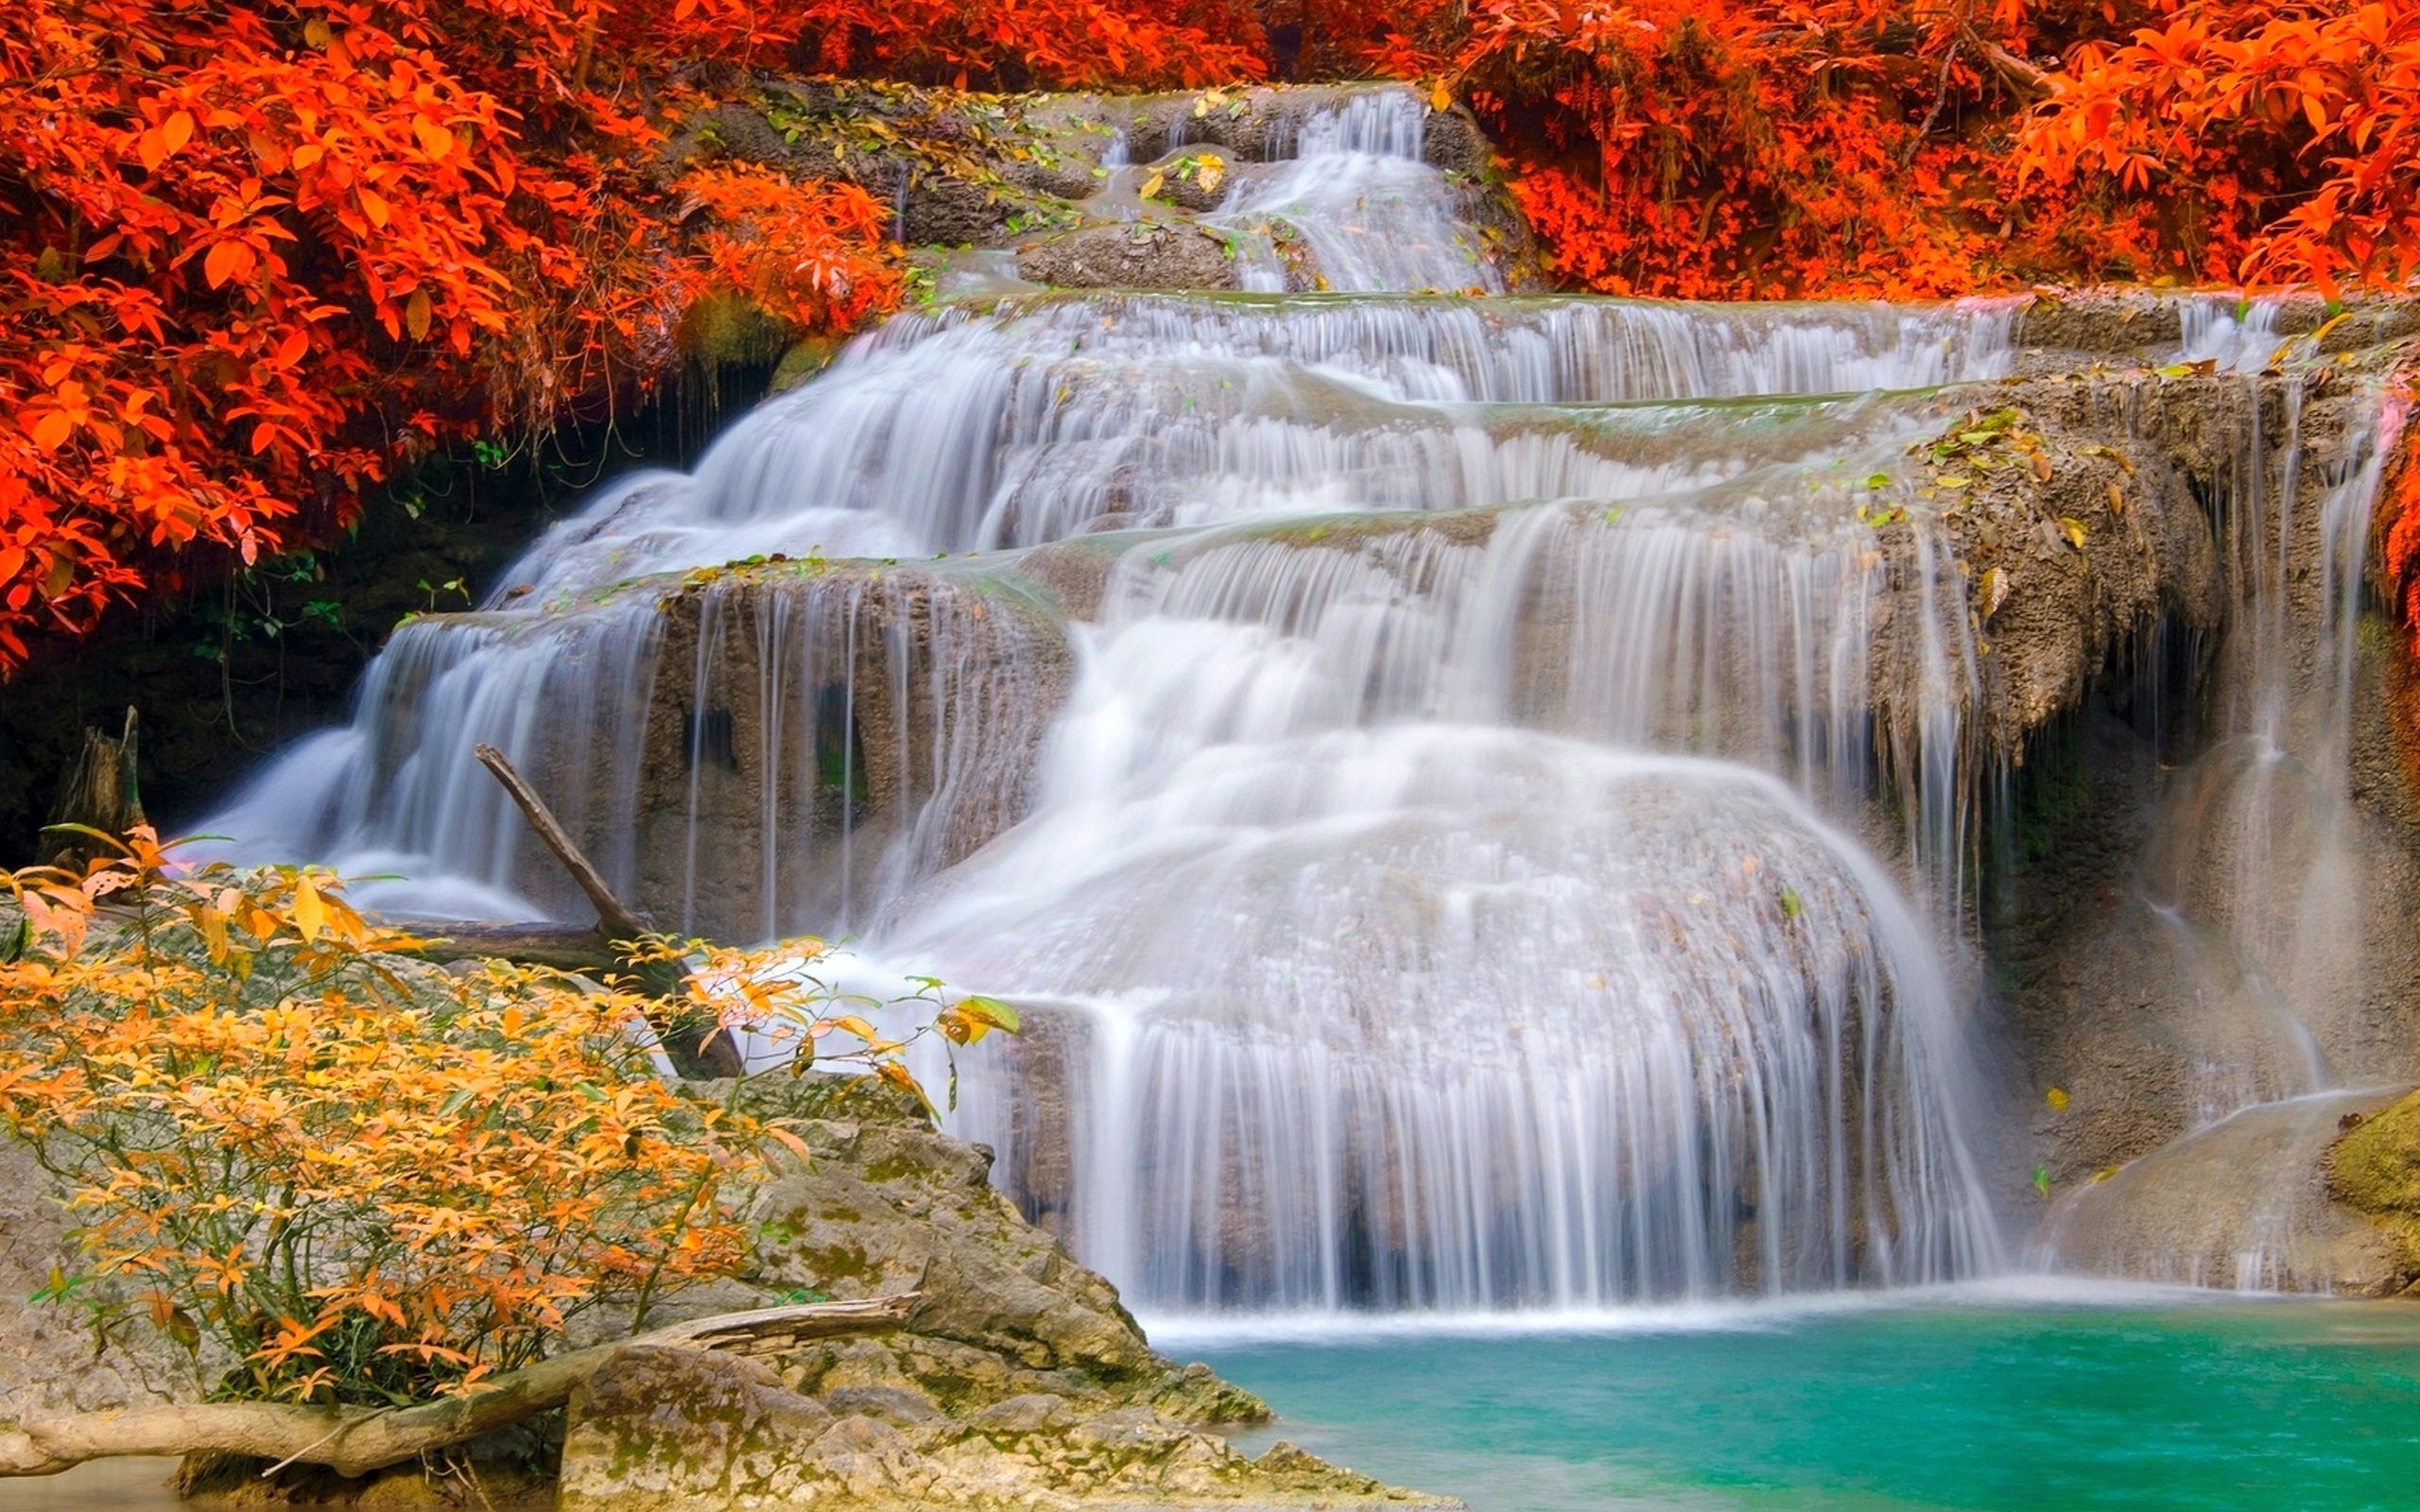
x=1994 y=588
x=1152 y=184
x=1441 y=98
x=2116 y=500
x=2057 y=1099
x=2073 y=529
x=1212 y=170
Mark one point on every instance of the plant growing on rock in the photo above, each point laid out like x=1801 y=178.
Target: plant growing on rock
x=350 y=1177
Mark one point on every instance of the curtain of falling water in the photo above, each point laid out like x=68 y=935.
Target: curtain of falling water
x=1452 y=916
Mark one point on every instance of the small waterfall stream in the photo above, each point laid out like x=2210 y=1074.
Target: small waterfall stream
x=1415 y=753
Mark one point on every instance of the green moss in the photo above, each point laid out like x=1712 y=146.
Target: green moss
x=732 y=331
x=835 y=1262
x=2375 y=1169
x=804 y=360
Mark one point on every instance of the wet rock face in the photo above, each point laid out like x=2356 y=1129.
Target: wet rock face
x=2245 y=1203
x=816 y=737
x=2207 y=830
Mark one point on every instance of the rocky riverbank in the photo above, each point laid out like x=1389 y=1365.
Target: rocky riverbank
x=1020 y=1383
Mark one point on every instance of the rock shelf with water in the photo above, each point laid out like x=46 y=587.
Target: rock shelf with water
x=1506 y=800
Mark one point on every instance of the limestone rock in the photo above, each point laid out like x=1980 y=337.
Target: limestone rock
x=2374 y=1170
x=659 y=1430
x=51 y=1359
x=1143 y=256
x=2242 y=1203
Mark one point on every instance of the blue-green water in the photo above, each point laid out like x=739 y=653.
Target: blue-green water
x=2023 y=1404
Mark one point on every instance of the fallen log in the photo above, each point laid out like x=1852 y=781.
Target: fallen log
x=356 y=1441
x=564 y=947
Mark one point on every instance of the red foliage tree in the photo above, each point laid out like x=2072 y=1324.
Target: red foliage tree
x=258 y=249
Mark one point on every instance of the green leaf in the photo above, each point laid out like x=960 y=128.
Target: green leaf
x=991 y=1012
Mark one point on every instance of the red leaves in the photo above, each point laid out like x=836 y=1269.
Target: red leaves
x=1759 y=147
x=253 y=268
x=2316 y=102
x=247 y=274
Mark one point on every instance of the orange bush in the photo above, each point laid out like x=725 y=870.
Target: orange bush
x=2289 y=134
x=364 y=1180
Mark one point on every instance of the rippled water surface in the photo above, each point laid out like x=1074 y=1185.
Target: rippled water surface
x=2001 y=1402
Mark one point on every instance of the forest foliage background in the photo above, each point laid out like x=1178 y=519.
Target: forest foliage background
x=261 y=254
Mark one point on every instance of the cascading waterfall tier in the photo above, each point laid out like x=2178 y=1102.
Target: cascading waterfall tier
x=1416 y=755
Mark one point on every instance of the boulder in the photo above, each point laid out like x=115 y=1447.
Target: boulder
x=1021 y=1382
x=1146 y=255
x=661 y=1430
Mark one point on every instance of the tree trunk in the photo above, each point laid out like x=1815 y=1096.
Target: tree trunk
x=100 y=792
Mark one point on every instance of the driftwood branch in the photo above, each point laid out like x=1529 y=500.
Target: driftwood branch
x=696 y=1048
x=611 y=915
x=356 y=1441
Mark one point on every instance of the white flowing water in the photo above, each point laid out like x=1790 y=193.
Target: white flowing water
x=1447 y=879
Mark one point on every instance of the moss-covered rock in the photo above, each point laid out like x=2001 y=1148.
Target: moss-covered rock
x=2375 y=1169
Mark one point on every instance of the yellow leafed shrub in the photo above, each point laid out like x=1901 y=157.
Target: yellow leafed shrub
x=365 y=1179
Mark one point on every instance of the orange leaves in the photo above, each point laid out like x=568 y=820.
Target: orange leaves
x=1021 y=44
x=210 y=264
x=2314 y=105
x=162 y=141
x=809 y=251
x=370 y=1181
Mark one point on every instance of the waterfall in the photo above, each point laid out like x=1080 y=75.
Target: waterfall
x=1469 y=800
